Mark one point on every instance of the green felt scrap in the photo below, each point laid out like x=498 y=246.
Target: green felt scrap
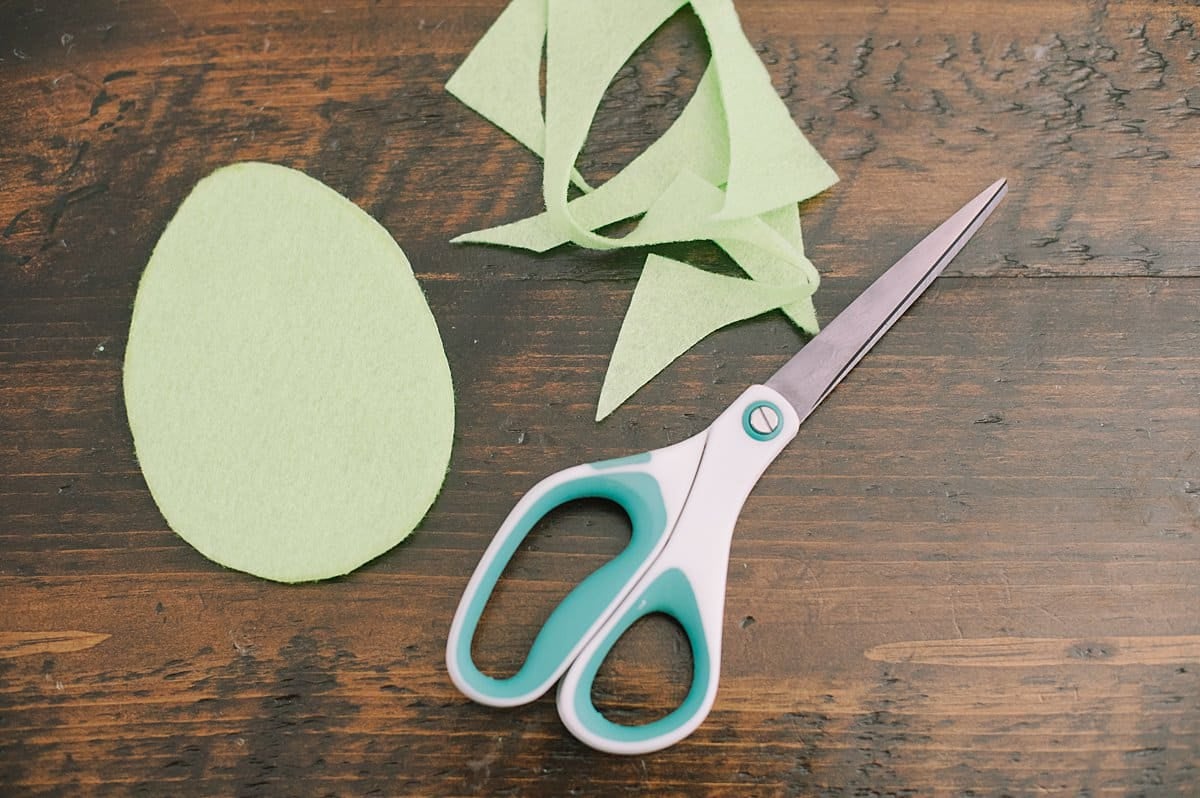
x=499 y=77
x=691 y=144
x=290 y=401
x=770 y=162
x=587 y=42
x=730 y=169
x=761 y=265
x=673 y=306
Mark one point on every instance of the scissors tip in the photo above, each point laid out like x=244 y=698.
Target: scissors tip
x=815 y=371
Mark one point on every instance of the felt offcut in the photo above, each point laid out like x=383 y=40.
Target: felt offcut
x=730 y=169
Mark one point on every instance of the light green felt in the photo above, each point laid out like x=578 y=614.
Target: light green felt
x=767 y=247
x=587 y=42
x=770 y=162
x=290 y=401
x=762 y=265
x=673 y=306
x=729 y=170
x=499 y=77
x=691 y=144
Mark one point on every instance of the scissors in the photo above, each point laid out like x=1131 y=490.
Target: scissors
x=683 y=501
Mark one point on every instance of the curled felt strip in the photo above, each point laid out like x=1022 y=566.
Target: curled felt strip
x=690 y=144
x=587 y=42
x=730 y=169
x=509 y=96
x=769 y=163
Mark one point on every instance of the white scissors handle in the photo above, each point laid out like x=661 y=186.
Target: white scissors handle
x=683 y=502
x=687 y=580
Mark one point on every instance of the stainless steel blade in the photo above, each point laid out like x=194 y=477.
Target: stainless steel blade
x=813 y=373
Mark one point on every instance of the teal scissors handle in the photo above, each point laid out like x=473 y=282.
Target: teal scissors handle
x=683 y=502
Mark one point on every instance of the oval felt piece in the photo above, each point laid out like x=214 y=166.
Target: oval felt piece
x=289 y=397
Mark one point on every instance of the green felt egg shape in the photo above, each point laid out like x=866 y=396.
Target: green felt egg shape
x=289 y=397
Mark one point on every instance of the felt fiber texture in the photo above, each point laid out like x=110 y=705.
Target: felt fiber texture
x=510 y=99
x=770 y=161
x=691 y=143
x=290 y=401
x=663 y=333
x=730 y=169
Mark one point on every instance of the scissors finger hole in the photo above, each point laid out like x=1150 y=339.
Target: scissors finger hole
x=570 y=542
x=648 y=673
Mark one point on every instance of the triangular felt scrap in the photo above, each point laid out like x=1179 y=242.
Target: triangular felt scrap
x=674 y=306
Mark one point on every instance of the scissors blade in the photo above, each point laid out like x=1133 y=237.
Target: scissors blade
x=813 y=373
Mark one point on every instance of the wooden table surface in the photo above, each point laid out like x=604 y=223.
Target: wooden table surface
x=976 y=571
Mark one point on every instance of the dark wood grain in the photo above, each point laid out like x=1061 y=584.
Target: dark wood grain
x=976 y=572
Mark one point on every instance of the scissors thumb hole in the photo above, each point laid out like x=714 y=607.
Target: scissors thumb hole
x=564 y=547
x=647 y=674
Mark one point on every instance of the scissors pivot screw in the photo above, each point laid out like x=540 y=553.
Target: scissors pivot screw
x=763 y=420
